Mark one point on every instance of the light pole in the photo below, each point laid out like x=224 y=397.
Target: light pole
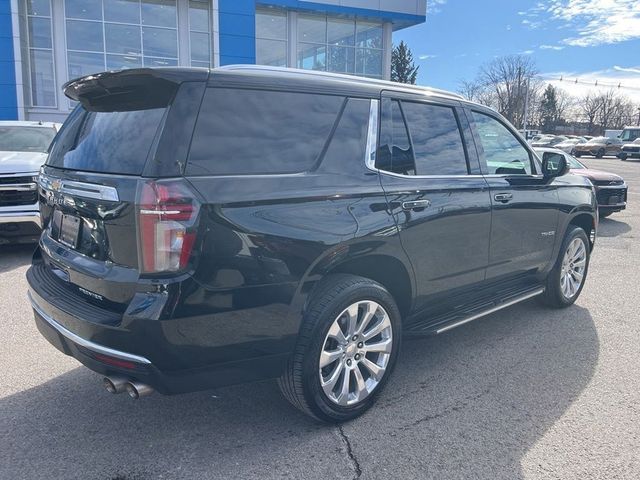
x=639 y=116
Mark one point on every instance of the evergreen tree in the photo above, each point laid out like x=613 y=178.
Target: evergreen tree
x=403 y=69
x=549 y=109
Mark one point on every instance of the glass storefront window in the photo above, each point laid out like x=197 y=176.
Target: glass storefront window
x=40 y=48
x=340 y=45
x=133 y=33
x=271 y=37
x=199 y=33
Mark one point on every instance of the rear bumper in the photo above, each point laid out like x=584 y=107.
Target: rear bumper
x=108 y=350
x=19 y=226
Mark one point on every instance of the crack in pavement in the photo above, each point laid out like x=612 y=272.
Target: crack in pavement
x=352 y=458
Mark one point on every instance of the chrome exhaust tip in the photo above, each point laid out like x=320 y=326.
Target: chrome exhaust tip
x=137 y=390
x=115 y=384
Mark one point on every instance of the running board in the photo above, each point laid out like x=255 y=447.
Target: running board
x=451 y=321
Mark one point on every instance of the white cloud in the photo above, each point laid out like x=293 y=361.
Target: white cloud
x=434 y=6
x=628 y=78
x=551 y=47
x=426 y=56
x=595 y=22
x=526 y=52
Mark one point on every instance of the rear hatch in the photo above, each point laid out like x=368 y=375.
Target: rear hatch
x=124 y=144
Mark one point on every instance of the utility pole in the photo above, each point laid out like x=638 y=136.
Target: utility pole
x=526 y=108
x=639 y=116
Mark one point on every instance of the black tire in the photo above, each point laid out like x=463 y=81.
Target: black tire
x=605 y=214
x=577 y=155
x=553 y=296
x=300 y=384
x=600 y=153
x=623 y=157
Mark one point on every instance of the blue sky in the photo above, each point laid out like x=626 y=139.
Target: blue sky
x=586 y=39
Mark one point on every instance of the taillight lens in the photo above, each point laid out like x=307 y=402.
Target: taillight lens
x=167 y=215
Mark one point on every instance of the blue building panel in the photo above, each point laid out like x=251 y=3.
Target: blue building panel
x=237 y=24
x=8 y=99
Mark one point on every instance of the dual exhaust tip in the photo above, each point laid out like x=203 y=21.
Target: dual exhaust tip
x=133 y=388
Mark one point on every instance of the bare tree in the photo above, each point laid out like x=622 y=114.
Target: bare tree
x=509 y=78
x=589 y=108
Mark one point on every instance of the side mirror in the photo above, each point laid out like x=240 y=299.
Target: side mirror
x=554 y=165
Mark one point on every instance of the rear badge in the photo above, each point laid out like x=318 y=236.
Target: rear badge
x=91 y=294
x=548 y=234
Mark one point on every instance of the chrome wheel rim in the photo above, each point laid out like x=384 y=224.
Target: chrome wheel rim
x=355 y=353
x=574 y=264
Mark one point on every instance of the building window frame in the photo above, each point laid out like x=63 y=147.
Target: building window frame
x=29 y=60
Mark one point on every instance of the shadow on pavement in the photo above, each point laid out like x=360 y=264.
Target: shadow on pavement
x=466 y=404
x=14 y=256
x=609 y=227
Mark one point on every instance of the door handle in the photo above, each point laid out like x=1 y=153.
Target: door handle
x=503 y=197
x=416 y=204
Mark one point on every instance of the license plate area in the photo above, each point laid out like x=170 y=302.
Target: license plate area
x=69 y=230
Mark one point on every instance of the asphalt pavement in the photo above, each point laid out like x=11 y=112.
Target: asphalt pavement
x=526 y=393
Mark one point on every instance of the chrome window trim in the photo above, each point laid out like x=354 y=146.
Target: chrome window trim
x=372 y=135
x=79 y=189
x=86 y=343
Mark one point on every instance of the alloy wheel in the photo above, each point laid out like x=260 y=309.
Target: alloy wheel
x=355 y=353
x=573 y=268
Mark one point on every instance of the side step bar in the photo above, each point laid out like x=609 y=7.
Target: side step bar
x=491 y=310
x=471 y=312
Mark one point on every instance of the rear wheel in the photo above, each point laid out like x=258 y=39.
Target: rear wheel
x=565 y=281
x=346 y=350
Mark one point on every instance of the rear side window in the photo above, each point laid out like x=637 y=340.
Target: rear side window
x=420 y=139
x=436 y=138
x=106 y=142
x=259 y=132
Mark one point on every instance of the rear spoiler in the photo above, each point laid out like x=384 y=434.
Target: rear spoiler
x=127 y=90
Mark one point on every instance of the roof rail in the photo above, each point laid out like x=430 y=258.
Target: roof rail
x=340 y=76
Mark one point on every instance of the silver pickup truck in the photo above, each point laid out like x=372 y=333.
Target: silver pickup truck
x=23 y=149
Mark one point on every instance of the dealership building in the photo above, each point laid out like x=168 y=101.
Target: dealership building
x=44 y=43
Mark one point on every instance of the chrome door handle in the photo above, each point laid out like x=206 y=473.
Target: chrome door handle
x=503 y=197
x=415 y=204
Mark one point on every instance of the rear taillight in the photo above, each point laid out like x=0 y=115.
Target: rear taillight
x=167 y=215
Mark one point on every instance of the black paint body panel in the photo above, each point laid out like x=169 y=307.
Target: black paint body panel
x=264 y=241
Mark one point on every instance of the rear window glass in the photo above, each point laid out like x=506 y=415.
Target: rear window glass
x=106 y=142
x=258 y=132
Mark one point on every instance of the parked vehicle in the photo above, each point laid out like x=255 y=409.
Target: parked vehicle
x=599 y=147
x=569 y=144
x=630 y=134
x=630 y=150
x=549 y=141
x=208 y=228
x=612 y=133
x=611 y=189
x=23 y=150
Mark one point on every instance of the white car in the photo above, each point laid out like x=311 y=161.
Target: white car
x=23 y=150
x=568 y=145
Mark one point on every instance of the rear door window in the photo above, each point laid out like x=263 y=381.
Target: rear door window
x=241 y=132
x=106 y=142
x=420 y=139
x=436 y=139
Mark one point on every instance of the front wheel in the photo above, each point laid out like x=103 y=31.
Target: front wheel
x=346 y=349
x=600 y=153
x=566 y=279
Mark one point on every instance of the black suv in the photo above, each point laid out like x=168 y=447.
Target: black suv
x=203 y=228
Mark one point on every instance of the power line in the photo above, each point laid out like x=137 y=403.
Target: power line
x=593 y=83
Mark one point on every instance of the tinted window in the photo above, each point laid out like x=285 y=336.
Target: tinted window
x=348 y=143
x=503 y=152
x=110 y=142
x=255 y=132
x=395 y=153
x=436 y=138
